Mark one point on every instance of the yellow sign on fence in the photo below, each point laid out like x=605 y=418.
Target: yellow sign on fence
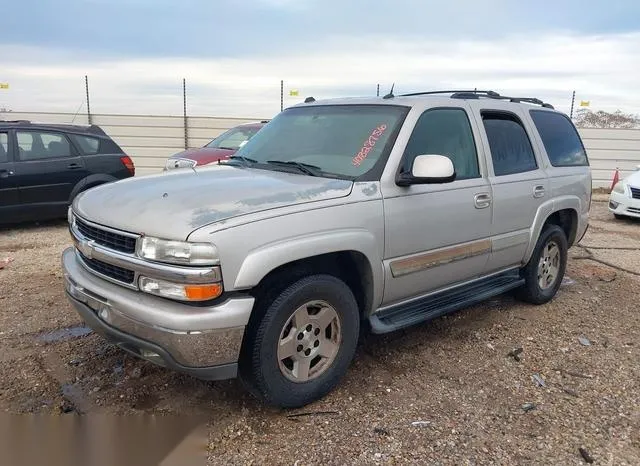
x=4 y=85
x=585 y=103
x=293 y=92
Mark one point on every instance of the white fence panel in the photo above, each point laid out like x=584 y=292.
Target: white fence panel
x=139 y=121
x=144 y=131
x=612 y=134
x=45 y=117
x=609 y=149
x=145 y=141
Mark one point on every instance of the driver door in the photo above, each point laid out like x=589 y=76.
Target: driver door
x=437 y=235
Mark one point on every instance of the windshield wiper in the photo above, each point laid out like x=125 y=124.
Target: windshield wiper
x=245 y=160
x=305 y=168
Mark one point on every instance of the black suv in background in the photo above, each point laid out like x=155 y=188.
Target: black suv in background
x=44 y=166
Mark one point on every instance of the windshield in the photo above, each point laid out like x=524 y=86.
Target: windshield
x=339 y=140
x=234 y=138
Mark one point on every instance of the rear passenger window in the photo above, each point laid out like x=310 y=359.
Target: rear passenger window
x=444 y=131
x=87 y=144
x=4 y=147
x=560 y=139
x=36 y=145
x=511 y=150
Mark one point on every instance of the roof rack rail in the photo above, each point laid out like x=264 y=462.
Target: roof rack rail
x=488 y=93
x=476 y=94
x=15 y=121
x=529 y=100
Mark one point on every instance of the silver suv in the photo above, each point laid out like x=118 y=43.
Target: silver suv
x=339 y=214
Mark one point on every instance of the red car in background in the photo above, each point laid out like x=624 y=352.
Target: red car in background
x=221 y=148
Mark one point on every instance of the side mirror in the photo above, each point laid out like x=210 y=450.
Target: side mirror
x=428 y=169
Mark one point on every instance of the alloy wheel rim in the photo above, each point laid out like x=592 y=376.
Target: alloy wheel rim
x=549 y=265
x=309 y=341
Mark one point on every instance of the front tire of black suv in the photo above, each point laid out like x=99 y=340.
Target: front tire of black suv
x=302 y=345
x=544 y=272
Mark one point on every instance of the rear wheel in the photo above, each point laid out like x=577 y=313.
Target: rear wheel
x=544 y=272
x=303 y=344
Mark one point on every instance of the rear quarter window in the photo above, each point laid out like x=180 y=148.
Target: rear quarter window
x=90 y=145
x=107 y=146
x=560 y=139
x=87 y=144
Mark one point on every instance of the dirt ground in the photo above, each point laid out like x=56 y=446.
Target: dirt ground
x=446 y=392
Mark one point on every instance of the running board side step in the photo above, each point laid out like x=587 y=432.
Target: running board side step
x=445 y=302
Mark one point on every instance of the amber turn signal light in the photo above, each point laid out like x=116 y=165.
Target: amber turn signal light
x=202 y=292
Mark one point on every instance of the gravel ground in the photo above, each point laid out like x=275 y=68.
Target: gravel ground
x=446 y=392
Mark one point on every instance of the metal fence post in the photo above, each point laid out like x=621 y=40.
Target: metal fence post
x=281 y=94
x=184 y=102
x=378 y=91
x=573 y=99
x=86 y=86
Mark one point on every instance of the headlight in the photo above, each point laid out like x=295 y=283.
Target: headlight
x=180 y=291
x=179 y=163
x=619 y=188
x=177 y=252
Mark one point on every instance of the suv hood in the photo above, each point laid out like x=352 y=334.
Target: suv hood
x=175 y=203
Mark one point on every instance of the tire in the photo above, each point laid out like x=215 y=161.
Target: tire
x=532 y=291
x=303 y=308
x=619 y=217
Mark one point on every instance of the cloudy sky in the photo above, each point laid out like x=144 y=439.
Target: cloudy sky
x=234 y=53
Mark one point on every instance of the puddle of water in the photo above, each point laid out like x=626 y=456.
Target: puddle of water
x=64 y=334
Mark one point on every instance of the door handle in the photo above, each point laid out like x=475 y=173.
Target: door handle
x=6 y=173
x=74 y=166
x=482 y=200
x=538 y=191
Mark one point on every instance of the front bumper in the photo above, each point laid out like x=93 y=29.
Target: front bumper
x=201 y=341
x=622 y=204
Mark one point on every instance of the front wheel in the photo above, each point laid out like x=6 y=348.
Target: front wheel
x=544 y=272
x=303 y=343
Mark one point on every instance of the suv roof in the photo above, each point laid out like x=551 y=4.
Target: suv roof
x=89 y=129
x=415 y=97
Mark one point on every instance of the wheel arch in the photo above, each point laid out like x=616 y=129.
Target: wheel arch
x=349 y=255
x=564 y=212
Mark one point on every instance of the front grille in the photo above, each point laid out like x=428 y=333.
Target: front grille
x=106 y=238
x=635 y=192
x=112 y=271
x=633 y=210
